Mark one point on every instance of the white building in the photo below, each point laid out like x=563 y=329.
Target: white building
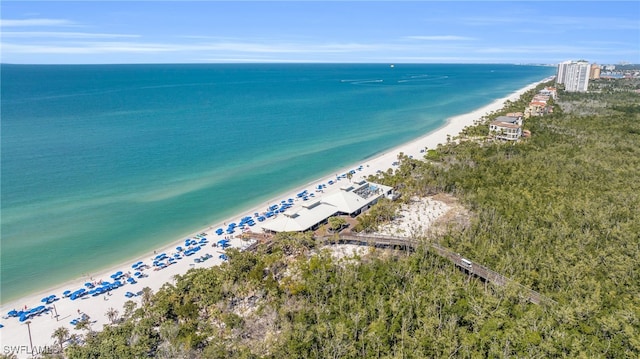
x=574 y=75
x=506 y=127
x=562 y=69
x=351 y=199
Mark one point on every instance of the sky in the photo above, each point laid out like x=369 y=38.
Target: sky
x=101 y=32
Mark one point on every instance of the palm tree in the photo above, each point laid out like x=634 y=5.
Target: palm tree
x=84 y=324
x=129 y=307
x=147 y=295
x=112 y=315
x=61 y=334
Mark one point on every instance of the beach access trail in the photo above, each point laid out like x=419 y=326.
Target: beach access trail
x=19 y=338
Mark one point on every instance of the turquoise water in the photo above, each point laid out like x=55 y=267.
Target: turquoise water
x=101 y=163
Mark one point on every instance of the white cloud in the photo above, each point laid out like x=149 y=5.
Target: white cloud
x=557 y=49
x=62 y=34
x=35 y=22
x=604 y=23
x=546 y=22
x=97 y=47
x=85 y=48
x=430 y=59
x=440 y=38
x=255 y=59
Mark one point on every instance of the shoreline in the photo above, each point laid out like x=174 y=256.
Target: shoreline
x=41 y=327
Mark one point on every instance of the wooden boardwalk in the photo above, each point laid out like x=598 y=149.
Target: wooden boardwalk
x=464 y=264
x=469 y=267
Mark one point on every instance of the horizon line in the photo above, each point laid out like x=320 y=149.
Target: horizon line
x=289 y=63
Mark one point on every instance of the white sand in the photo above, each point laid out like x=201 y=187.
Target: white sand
x=415 y=218
x=347 y=251
x=14 y=337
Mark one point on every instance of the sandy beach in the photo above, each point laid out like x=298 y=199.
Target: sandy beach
x=18 y=337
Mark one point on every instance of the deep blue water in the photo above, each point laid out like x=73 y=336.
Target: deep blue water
x=101 y=163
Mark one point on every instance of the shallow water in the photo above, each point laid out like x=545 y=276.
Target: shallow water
x=101 y=163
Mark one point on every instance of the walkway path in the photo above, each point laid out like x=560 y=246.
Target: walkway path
x=469 y=267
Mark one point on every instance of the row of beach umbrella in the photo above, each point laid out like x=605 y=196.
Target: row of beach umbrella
x=191 y=245
x=50 y=299
x=23 y=315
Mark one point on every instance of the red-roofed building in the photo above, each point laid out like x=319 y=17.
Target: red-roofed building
x=536 y=108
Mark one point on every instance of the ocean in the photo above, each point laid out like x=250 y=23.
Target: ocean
x=103 y=163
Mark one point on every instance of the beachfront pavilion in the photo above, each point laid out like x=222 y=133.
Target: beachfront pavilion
x=351 y=199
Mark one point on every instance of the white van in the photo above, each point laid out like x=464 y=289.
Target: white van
x=466 y=262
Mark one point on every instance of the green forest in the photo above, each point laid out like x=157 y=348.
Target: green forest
x=558 y=212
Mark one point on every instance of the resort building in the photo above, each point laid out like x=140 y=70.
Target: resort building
x=594 y=74
x=574 y=75
x=509 y=127
x=549 y=91
x=539 y=104
x=506 y=128
x=536 y=108
x=562 y=69
x=351 y=199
